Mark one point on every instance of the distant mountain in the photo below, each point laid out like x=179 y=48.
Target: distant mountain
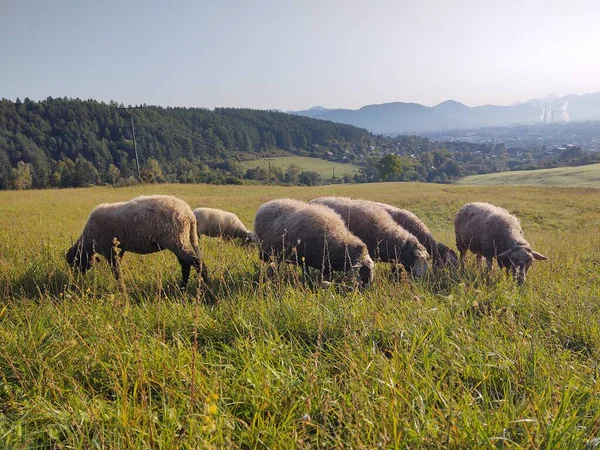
x=398 y=117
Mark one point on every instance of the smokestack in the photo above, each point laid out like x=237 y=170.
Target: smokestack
x=543 y=116
x=565 y=111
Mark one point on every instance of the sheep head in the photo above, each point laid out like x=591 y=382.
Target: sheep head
x=79 y=259
x=448 y=257
x=250 y=238
x=362 y=271
x=421 y=261
x=519 y=259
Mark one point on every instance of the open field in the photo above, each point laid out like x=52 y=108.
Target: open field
x=580 y=176
x=321 y=166
x=455 y=361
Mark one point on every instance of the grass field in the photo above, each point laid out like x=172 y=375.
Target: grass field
x=580 y=176
x=322 y=167
x=455 y=361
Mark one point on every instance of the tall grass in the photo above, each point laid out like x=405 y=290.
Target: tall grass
x=453 y=361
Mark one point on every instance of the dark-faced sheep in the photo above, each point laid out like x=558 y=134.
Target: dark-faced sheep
x=442 y=255
x=385 y=239
x=143 y=225
x=311 y=235
x=218 y=223
x=492 y=232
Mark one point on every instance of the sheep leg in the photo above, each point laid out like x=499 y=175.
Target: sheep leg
x=463 y=257
x=185 y=272
x=187 y=261
x=203 y=272
x=489 y=264
x=115 y=266
x=396 y=271
x=326 y=279
x=271 y=271
x=272 y=263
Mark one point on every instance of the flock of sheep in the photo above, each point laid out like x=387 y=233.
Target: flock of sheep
x=331 y=234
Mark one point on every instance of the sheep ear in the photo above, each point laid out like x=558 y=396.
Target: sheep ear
x=421 y=253
x=505 y=253
x=538 y=256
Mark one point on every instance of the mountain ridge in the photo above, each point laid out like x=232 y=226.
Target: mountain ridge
x=403 y=117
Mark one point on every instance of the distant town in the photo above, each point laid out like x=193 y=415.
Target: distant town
x=551 y=137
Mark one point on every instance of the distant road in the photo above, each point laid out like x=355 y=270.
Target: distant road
x=578 y=176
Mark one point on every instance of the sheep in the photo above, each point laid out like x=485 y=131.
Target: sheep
x=440 y=253
x=489 y=231
x=385 y=239
x=146 y=224
x=313 y=236
x=216 y=222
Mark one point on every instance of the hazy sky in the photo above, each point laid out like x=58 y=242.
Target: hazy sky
x=296 y=54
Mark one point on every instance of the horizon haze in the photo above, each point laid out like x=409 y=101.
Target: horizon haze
x=291 y=56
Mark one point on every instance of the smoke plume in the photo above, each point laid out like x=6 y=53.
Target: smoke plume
x=565 y=111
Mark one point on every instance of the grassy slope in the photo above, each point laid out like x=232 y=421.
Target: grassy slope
x=457 y=361
x=581 y=176
x=322 y=167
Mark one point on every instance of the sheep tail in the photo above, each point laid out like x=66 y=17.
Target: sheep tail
x=194 y=239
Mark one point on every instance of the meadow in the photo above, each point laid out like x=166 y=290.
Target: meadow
x=457 y=360
x=321 y=166
x=580 y=176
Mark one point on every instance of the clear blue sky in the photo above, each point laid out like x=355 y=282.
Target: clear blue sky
x=295 y=54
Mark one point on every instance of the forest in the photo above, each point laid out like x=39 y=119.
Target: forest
x=63 y=142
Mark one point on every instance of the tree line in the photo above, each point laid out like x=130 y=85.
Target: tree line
x=70 y=142
x=66 y=142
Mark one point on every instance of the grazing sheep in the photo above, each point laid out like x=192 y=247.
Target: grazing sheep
x=385 y=239
x=216 y=222
x=146 y=224
x=441 y=254
x=493 y=232
x=311 y=235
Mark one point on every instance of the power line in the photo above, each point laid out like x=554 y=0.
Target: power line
x=175 y=131
x=161 y=121
x=137 y=160
x=182 y=134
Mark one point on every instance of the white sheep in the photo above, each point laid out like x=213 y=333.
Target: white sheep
x=146 y=224
x=440 y=253
x=216 y=222
x=311 y=236
x=492 y=232
x=385 y=239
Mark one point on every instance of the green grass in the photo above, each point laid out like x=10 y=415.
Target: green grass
x=322 y=167
x=456 y=361
x=580 y=176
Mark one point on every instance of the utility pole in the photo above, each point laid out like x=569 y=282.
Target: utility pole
x=333 y=169
x=269 y=160
x=137 y=160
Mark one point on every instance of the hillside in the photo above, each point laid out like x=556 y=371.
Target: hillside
x=578 y=176
x=398 y=117
x=324 y=168
x=70 y=142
